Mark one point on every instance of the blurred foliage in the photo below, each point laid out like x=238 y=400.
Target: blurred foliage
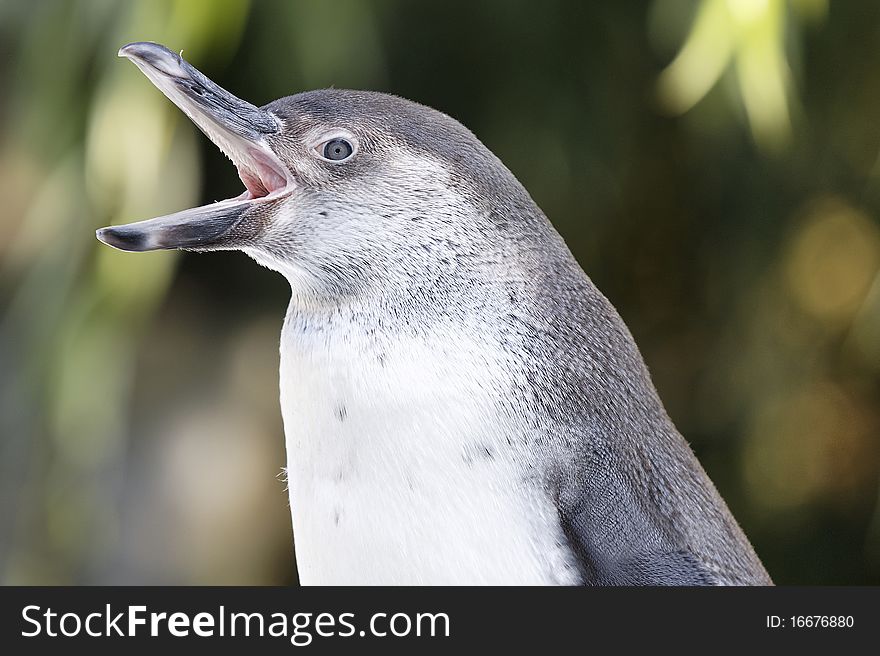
x=749 y=36
x=713 y=164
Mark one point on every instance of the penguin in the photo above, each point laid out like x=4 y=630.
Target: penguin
x=461 y=404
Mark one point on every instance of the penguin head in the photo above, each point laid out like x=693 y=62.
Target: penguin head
x=345 y=191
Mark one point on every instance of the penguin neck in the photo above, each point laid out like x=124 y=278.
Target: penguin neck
x=398 y=305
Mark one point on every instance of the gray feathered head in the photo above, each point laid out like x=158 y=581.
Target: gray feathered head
x=344 y=190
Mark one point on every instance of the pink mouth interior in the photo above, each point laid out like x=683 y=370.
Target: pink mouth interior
x=263 y=179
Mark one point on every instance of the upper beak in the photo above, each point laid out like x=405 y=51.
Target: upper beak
x=238 y=128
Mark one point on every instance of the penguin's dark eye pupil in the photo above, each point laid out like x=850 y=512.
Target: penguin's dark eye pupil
x=337 y=149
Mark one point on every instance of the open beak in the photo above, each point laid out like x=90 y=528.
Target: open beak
x=238 y=128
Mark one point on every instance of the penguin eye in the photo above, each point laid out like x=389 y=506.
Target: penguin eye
x=336 y=150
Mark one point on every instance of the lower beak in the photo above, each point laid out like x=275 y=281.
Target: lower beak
x=240 y=130
x=201 y=228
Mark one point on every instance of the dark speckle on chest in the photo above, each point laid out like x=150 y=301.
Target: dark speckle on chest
x=476 y=452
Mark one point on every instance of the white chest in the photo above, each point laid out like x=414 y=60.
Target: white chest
x=401 y=468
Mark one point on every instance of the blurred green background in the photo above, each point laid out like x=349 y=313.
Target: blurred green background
x=713 y=164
